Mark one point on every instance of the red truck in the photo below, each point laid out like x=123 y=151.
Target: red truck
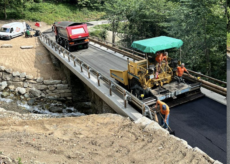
x=71 y=34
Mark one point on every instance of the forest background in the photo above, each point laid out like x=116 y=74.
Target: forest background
x=203 y=25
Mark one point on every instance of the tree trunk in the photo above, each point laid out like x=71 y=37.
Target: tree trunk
x=113 y=35
x=5 y=10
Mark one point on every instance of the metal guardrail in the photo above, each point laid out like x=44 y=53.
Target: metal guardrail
x=127 y=96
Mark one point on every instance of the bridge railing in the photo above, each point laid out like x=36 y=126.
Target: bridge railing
x=127 y=96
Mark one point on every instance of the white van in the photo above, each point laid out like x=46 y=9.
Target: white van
x=11 y=30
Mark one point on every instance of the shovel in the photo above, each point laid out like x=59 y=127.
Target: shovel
x=170 y=130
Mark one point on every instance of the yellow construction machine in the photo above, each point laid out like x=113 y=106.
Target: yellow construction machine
x=144 y=78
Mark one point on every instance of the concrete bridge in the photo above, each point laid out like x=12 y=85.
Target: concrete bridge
x=92 y=67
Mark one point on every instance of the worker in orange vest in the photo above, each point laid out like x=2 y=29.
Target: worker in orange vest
x=180 y=72
x=165 y=112
x=159 y=58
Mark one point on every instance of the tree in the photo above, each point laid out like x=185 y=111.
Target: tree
x=116 y=12
x=196 y=23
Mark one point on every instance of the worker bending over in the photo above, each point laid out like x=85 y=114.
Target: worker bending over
x=164 y=111
x=180 y=72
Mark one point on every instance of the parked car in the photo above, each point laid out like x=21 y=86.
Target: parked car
x=12 y=30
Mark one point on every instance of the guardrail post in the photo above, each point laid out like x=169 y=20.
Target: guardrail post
x=110 y=88
x=124 y=99
x=63 y=53
x=143 y=110
x=81 y=64
x=68 y=54
x=74 y=61
x=89 y=69
x=98 y=79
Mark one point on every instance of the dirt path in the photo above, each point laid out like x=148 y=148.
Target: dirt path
x=106 y=138
x=34 y=61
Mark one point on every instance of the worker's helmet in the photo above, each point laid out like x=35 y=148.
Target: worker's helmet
x=182 y=64
x=164 y=107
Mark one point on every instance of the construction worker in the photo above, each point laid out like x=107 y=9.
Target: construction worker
x=180 y=72
x=164 y=112
x=159 y=58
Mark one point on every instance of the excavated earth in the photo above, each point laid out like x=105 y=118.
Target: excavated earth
x=105 y=138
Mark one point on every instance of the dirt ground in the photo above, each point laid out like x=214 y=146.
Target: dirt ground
x=106 y=138
x=34 y=61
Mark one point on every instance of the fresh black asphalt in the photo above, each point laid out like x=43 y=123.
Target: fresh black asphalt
x=203 y=124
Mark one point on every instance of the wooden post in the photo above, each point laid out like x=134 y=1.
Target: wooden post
x=155 y=116
x=81 y=66
x=124 y=99
x=88 y=72
x=98 y=79
x=110 y=88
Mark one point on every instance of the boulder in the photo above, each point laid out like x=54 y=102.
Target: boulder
x=26 y=84
x=62 y=91
x=16 y=79
x=31 y=101
x=51 y=87
x=29 y=77
x=22 y=75
x=40 y=80
x=55 y=109
x=5 y=94
x=65 y=94
x=16 y=74
x=12 y=88
x=35 y=92
x=8 y=70
x=7 y=76
x=16 y=84
x=0 y=74
x=50 y=82
x=2 y=68
x=20 y=90
x=3 y=85
x=62 y=86
x=40 y=87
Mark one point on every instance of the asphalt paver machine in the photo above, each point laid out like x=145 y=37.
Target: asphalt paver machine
x=145 y=80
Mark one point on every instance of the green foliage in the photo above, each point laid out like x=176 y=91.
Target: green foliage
x=50 y=12
x=204 y=49
x=228 y=39
x=19 y=160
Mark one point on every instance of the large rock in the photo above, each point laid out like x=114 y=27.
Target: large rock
x=51 y=87
x=16 y=74
x=52 y=95
x=7 y=76
x=29 y=77
x=55 y=109
x=26 y=84
x=2 y=68
x=3 y=85
x=22 y=75
x=12 y=88
x=16 y=84
x=40 y=87
x=35 y=92
x=65 y=94
x=62 y=86
x=40 y=80
x=62 y=91
x=5 y=94
x=16 y=79
x=0 y=74
x=20 y=90
x=50 y=82
x=8 y=70
x=31 y=102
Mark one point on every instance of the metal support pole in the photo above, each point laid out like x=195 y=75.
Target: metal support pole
x=98 y=79
x=124 y=99
x=68 y=57
x=74 y=62
x=89 y=69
